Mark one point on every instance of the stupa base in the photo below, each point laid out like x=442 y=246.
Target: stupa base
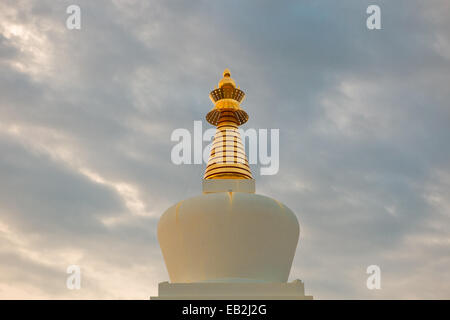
x=294 y=290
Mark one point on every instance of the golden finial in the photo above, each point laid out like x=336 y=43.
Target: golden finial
x=227 y=98
x=227 y=159
x=227 y=81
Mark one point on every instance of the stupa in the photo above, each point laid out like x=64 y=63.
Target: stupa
x=228 y=243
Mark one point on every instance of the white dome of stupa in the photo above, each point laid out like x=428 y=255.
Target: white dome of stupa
x=228 y=236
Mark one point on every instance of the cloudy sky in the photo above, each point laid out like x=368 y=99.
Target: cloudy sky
x=86 y=117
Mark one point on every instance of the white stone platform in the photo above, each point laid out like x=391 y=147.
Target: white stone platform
x=294 y=290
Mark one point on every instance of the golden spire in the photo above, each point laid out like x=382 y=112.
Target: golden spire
x=227 y=159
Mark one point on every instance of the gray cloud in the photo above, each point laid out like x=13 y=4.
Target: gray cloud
x=86 y=118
